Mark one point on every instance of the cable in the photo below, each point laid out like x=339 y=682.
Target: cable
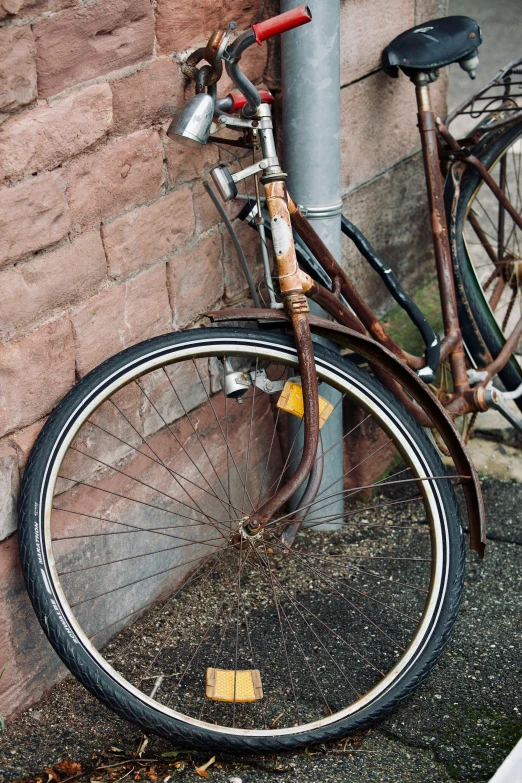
x=239 y=250
x=430 y=339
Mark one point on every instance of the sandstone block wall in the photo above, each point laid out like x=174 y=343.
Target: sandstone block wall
x=101 y=215
x=382 y=177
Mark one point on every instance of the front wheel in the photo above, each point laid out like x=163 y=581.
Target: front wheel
x=166 y=609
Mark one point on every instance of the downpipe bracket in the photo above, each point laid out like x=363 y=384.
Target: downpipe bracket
x=322 y=212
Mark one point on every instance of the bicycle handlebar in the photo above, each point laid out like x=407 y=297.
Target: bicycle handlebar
x=259 y=33
x=236 y=102
x=281 y=23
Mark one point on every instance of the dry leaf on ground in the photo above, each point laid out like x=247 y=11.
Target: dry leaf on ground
x=202 y=771
x=68 y=768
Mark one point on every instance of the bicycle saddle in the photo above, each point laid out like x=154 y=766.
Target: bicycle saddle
x=432 y=45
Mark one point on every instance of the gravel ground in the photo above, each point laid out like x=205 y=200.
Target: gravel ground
x=457 y=727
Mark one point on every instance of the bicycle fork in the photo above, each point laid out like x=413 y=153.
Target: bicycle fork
x=291 y=280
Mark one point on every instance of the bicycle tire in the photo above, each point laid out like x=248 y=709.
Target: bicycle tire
x=61 y=624
x=481 y=331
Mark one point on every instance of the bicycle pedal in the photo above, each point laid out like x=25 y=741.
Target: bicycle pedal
x=498 y=400
x=291 y=401
x=234 y=685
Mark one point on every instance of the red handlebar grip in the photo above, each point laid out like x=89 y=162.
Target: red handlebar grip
x=282 y=23
x=238 y=101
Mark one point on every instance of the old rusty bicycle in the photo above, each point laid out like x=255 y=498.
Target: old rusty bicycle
x=158 y=545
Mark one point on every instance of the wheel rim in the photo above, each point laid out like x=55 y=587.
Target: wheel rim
x=493 y=243
x=356 y=603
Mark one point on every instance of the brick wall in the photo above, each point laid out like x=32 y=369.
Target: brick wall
x=101 y=215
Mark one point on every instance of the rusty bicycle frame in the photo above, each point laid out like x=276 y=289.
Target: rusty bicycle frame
x=356 y=326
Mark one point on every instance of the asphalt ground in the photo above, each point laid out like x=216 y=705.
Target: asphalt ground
x=458 y=726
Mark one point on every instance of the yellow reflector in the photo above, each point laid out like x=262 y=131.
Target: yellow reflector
x=231 y=685
x=291 y=401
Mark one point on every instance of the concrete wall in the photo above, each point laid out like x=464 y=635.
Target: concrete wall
x=101 y=215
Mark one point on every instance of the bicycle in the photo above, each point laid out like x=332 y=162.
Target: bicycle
x=157 y=543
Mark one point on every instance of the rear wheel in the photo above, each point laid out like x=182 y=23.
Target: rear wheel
x=488 y=252
x=158 y=600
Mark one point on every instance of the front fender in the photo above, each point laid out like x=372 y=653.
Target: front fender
x=376 y=354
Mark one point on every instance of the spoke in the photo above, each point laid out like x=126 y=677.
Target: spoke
x=142 y=579
x=252 y=656
x=210 y=491
x=320 y=496
x=324 y=559
x=501 y=211
x=160 y=462
x=134 y=500
x=331 y=630
x=120 y=619
x=135 y=528
x=205 y=542
x=179 y=443
x=226 y=435
x=248 y=453
x=218 y=654
x=203 y=637
x=196 y=651
x=379 y=577
x=321 y=692
x=355 y=490
x=151 y=603
x=329 y=518
x=144 y=484
x=289 y=462
x=482 y=236
x=266 y=564
x=347 y=600
x=221 y=430
x=318 y=638
x=274 y=431
x=172 y=631
x=517 y=176
x=236 y=655
x=486 y=215
x=186 y=414
x=325 y=648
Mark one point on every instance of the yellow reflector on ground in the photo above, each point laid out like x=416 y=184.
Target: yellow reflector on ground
x=291 y=401
x=231 y=685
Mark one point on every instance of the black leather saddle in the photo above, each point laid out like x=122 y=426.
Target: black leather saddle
x=432 y=45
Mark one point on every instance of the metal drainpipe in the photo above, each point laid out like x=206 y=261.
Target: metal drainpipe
x=310 y=65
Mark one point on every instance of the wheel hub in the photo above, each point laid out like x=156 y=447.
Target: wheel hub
x=245 y=535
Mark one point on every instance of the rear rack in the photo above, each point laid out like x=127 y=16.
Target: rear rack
x=497 y=103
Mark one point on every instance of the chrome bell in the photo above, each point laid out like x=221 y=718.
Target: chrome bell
x=192 y=125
